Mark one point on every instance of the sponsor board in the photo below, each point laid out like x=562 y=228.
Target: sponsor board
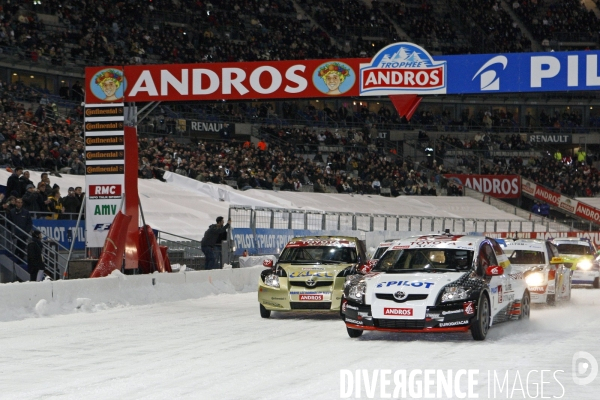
x=555 y=199
x=399 y=68
x=104 y=126
x=499 y=186
x=403 y=68
x=111 y=140
x=310 y=297
x=562 y=138
x=272 y=241
x=62 y=231
x=105 y=192
x=106 y=169
x=403 y=312
x=105 y=155
x=104 y=111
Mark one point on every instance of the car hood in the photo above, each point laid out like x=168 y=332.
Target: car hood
x=418 y=283
x=316 y=271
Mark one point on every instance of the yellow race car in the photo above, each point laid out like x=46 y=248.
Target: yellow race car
x=581 y=256
x=309 y=274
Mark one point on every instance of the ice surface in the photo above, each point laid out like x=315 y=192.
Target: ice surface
x=218 y=347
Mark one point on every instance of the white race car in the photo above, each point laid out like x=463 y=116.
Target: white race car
x=581 y=256
x=436 y=283
x=547 y=278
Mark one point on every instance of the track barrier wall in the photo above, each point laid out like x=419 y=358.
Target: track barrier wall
x=27 y=299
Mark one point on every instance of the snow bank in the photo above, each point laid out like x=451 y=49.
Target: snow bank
x=30 y=299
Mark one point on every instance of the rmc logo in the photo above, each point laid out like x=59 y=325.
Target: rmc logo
x=403 y=68
x=105 y=191
x=488 y=77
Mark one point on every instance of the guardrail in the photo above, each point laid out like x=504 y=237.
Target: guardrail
x=279 y=218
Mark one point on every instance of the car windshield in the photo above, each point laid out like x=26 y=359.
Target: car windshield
x=567 y=248
x=379 y=252
x=434 y=260
x=526 y=257
x=325 y=254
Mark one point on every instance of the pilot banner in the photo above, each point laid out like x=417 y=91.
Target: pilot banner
x=399 y=68
x=272 y=241
x=499 y=186
x=62 y=231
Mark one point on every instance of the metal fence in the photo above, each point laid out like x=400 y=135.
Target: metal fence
x=276 y=218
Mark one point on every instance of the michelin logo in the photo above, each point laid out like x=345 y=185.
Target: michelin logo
x=488 y=79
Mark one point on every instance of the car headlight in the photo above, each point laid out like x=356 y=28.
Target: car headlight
x=454 y=293
x=272 y=280
x=357 y=292
x=584 y=264
x=535 y=279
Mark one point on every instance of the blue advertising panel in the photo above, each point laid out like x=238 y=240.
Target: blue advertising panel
x=522 y=72
x=270 y=241
x=61 y=231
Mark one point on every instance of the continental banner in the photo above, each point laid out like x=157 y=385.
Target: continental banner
x=557 y=200
x=105 y=161
x=499 y=186
x=592 y=236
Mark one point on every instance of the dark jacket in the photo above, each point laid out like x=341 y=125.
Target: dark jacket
x=22 y=219
x=35 y=261
x=32 y=201
x=12 y=185
x=71 y=204
x=23 y=182
x=212 y=235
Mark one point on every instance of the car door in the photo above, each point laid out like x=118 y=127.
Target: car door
x=485 y=258
x=563 y=274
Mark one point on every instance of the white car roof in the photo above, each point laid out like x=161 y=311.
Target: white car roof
x=526 y=244
x=465 y=242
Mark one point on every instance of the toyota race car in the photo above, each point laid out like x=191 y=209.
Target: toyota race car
x=580 y=255
x=309 y=274
x=547 y=278
x=436 y=283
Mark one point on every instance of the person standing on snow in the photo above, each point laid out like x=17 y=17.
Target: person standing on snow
x=210 y=242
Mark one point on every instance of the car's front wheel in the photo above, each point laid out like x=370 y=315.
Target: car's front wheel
x=264 y=312
x=597 y=283
x=354 y=333
x=525 y=306
x=481 y=323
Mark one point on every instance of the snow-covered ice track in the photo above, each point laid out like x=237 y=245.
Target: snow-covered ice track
x=218 y=347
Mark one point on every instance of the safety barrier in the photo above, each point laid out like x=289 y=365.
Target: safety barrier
x=23 y=300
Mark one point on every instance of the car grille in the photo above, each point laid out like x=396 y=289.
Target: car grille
x=305 y=305
x=410 y=297
x=317 y=284
x=400 y=323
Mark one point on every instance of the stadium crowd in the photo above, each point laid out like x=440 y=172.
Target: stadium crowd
x=98 y=32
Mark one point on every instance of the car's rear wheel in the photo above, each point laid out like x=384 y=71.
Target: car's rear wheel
x=264 y=312
x=525 y=306
x=481 y=323
x=597 y=283
x=354 y=333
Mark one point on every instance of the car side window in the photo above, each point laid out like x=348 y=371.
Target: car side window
x=485 y=259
